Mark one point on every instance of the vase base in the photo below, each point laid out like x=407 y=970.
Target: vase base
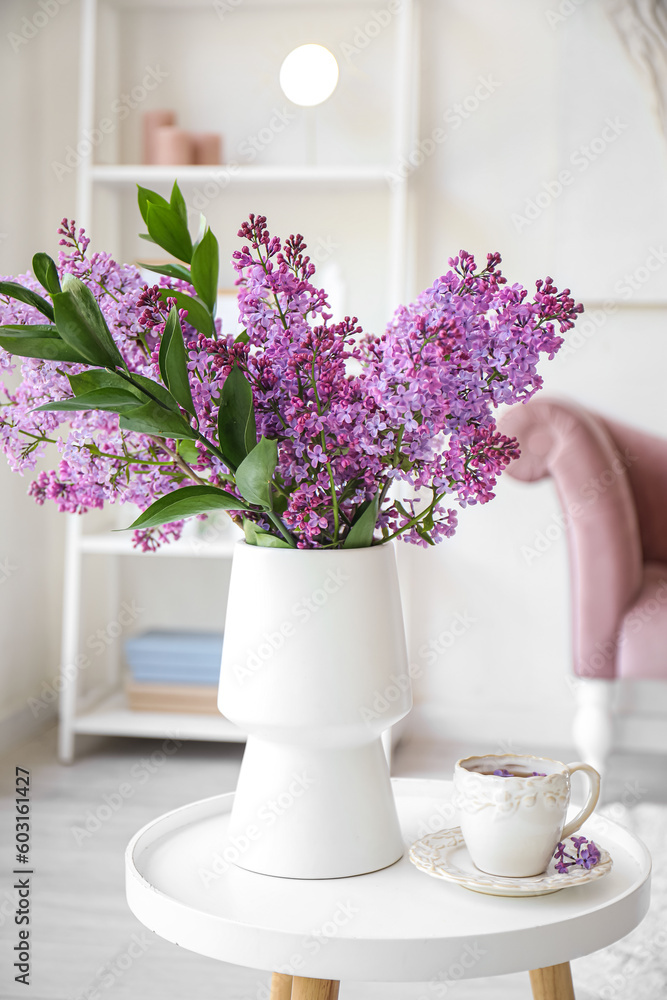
x=316 y=878
x=314 y=813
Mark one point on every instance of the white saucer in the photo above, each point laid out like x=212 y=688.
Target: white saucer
x=444 y=855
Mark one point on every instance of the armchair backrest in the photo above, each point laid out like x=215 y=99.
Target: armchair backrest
x=592 y=478
x=645 y=458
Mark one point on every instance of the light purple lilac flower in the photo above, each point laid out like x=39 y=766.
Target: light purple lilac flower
x=587 y=856
x=400 y=417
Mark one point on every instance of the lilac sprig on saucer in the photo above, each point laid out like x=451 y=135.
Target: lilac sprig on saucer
x=588 y=855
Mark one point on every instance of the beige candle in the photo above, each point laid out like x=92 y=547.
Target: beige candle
x=207 y=148
x=173 y=146
x=153 y=120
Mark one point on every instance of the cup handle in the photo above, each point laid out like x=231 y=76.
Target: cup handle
x=591 y=802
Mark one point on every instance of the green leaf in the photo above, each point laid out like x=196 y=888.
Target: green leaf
x=242 y=338
x=32 y=329
x=27 y=296
x=280 y=504
x=267 y=541
x=424 y=534
x=256 y=536
x=168 y=230
x=174 y=364
x=205 y=267
x=186 y=502
x=188 y=451
x=151 y=418
x=81 y=324
x=99 y=378
x=157 y=391
x=171 y=270
x=169 y=327
x=177 y=203
x=147 y=237
x=254 y=474
x=198 y=314
x=46 y=272
x=360 y=535
x=44 y=345
x=116 y=400
x=237 y=433
x=145 y=390
x=145 y=197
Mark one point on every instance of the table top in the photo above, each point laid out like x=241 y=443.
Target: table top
x=394 y=925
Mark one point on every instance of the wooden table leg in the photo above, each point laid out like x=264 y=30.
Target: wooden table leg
x=552 y=983
x=314 y=989
x=281 y=986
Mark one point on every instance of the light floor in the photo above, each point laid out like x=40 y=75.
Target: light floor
x=88 y=946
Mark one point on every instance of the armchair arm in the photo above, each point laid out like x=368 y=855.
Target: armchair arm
x=569 y=444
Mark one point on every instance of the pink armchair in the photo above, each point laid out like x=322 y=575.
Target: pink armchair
x=612 y=485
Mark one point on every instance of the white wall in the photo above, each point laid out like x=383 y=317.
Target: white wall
x=505 y=679
x=38 y=111
x=551 y=89
x=39 y=117
x=30 y=574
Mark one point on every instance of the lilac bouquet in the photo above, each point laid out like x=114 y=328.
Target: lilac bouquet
x=300 y=426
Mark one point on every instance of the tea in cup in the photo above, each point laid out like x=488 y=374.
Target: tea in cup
x=513 y=810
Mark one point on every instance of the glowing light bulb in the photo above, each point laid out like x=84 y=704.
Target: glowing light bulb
x=309 y=75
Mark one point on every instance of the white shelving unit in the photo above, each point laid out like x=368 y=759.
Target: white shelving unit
x=121 y=545
x=148 y=173
x=103 y=711
x=402 y=77
x=112 y=717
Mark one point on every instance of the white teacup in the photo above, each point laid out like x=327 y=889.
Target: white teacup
x=511 y=825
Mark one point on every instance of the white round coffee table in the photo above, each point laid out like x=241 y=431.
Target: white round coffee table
x=394 y=925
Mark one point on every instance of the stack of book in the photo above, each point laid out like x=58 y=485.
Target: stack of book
x=173 y=671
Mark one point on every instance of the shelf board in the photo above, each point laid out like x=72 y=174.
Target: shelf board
x=120 y=544
x=112 y=717
x=235 y=174
x=246 y=5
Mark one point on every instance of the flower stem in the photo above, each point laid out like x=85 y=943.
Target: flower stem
x=332 y=481
x=94 y=450
x=417 y=518
x=182 y=464
x=37 y=437
x=214 y=450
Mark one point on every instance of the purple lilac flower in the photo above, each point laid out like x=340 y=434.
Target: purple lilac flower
x=99 y=463
x=587 y=856
x=559 y=853
x=356 y=417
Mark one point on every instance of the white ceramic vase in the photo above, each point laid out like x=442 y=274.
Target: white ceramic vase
x=314 y=669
